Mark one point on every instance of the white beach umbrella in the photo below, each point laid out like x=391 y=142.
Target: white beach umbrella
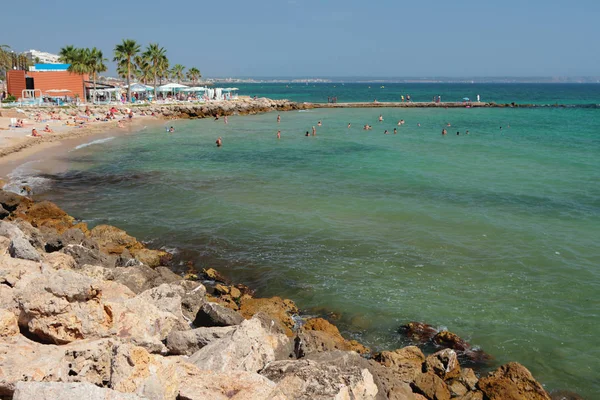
x=171 y=87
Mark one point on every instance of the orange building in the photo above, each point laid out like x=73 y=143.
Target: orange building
x=46 y=77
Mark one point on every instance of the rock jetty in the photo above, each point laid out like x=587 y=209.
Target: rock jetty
x=94 y=314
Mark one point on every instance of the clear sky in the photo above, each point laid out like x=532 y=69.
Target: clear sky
x=337 y=38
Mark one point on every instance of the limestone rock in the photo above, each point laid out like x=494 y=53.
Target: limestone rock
x=59 y=261
x=192 y=298
x=167 y=297
x=431 y=386
x=24 y=360
x=444 y=364
x=67 y=391
x=189 y=342
x=451 y=341
x=471 y=396
x=113 y=240
x=8 y=323
x=512 y=381
x=3 y=212
x=10 y=201
x=249 y=348
x=318 y=335
x=84 y=255
x=330 y=376
x=276 y=307
x=213 y=314
x=137 y=278
x=196 y=384
x=44 y=214
x=468 y=378
x=134 y=370
x=21 y=248
x=405 y=362
x=457 y=389
x=4 y=245
x=214 y=275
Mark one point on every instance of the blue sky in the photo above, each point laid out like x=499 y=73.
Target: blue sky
x=378 y=38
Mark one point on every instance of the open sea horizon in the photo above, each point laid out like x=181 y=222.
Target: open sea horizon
x=492 y=235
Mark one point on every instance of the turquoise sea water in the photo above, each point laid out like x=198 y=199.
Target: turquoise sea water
x=493 y=235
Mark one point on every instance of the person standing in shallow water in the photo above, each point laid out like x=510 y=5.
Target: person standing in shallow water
x=395 y=131
x=314 y=133
x=278 y=118
x=219 y=142
x=278 y=134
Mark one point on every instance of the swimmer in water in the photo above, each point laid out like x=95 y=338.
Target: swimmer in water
x=395 y=131
x=278 y=118
x=219 y=142
x=225 y=119
x=448 y=124
x=444 y=132
x=171 y=130
x=457 y=133
x=348 y=125
x=419 y=124
x=467 y=132
x=401 y=122
x=319 y=123
x=380 y=118
x=278 y=134
x=217 y=117
x=315 y=130
x=307 y=134
x=386 y=132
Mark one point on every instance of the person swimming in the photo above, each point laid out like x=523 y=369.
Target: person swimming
x=219 y=142
x=171 y=130
x=386 y=132
x=278 y=134
x=307 y=134
x=380 y=118
x=319 y=123
x=278 y=118
x=395 y=131
x=348 y=124
x=457 y=133
x=444 y=131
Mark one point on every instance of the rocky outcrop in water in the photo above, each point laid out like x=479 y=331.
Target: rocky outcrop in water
x=84 y=316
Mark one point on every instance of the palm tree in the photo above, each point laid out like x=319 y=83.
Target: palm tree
x=194 y=74
x=79 y=60
x=68 y=54
x=124 y=54
x=5 y=57
x=177 y=72
x=143 y=69
x=157 y=56
x=95 y=64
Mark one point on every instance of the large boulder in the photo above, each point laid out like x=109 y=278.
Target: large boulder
x=24 y=360
x=19 y=247
x=196 y=384
x=431 y=386
x=418 y=331
x=213 y=314
x=84 y=255
x=10 y=201
x=189 y=342
x=330 y=375
x=406 y=363
x=319 y=335
x=444 y=364
x=44 y=214
x=67 y=391
x=249 y=348
x=168 y=298
x=277 y=308
x=512 y=381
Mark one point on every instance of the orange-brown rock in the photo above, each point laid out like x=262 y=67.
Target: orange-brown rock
x=322 y=335
x=444 y=364
x=419 y=331
x=406 y=362
x=277 y=308
x=44 y=214
x=431 y=386
x=214 y=275
x=451 y=341
x=512 y=381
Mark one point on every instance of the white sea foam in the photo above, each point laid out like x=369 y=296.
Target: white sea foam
x=26 y=175
x=81 y=146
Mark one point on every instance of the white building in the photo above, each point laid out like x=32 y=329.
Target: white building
x=41 y=57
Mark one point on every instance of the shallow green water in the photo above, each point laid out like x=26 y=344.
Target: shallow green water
x=493 y=235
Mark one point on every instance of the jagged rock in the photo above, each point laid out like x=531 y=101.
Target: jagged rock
x=4 y=245
x=134 y=370
x=192 y=298
x=471 y=396
x=67 y=391
x=24 y=360
x=418 y=331
x=152 y=258
x=137 y=278
x=213 y=275
x=512 y=381
x=431 y=386
x=331 y=375
x=167 y=297
x=468 y=378
x=457 y=389
x=196 y=384
x=32 y=234
x=444 y=364
x=59 y=261
x=249 y=348
x=401 y=391
x=44 y=214
x=451 y=341
x=276 y=307
x=406 y=362
x=213 y=314
x=318 y=335
x=84 y=255
x=21 y=248
x=10 y=201
x=167 y=276
x=189 y=342
x=8 y=323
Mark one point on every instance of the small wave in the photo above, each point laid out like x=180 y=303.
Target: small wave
x=81 y=146
x=26 y=175
x=304 y=111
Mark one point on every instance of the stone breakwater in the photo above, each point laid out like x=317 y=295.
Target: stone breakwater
x=94 y=314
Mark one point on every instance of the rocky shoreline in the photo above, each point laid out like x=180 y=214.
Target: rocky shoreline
x=94 y=314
